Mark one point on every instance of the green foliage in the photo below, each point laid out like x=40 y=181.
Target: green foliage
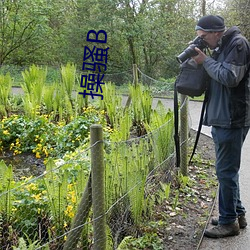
x=161 y=126
x=141 y=104
x=50 y=200
x=6 y=184
x=57 y=97
x=30 y=245
x=68 y=74
x=33 y=85
x=57 y=188
x=184 y=181
x=147 y=241
x=43 y=137
x=164 y=191
x=80 y=101
x=147 y=32
x=128 y=161
x=126 y=172
x=30 y=206
x=48 y=98
x=111 y=104
x=5 y=89
x=176 y=199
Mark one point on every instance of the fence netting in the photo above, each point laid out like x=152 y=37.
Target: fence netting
x=47 y=209
x=42 y=209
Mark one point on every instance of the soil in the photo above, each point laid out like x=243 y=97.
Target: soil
x=25 y=164
x=186 y=223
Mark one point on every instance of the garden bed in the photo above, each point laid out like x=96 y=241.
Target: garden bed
x=181 y=215
x=186 y=224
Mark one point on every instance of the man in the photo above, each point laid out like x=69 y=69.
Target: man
x=228 y=112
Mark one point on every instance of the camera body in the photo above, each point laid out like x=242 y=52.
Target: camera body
x=190 y=51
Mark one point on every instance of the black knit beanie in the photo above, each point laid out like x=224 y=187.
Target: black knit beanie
x=211 y=23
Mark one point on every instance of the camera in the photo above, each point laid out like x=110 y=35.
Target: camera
x=190 y=51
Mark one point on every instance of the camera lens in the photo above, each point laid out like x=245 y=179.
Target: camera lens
x=187 y=53
x=190 y=51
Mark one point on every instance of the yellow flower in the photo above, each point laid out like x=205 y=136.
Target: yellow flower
x=31 y=187
x=6 y=132
x=37 y=196
x=69 y=211
x=38 y=155
x=73 y=199
x=14 y=209
x=103 y=112
x=16 y=152
x=45 y=151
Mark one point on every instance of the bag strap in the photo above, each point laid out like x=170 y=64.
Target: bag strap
x=176 y=126
x=199 y=127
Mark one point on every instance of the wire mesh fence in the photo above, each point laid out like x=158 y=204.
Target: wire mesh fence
x=42 y=210
x=55 y=210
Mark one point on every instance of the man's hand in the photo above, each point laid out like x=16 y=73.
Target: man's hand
x=200 y=58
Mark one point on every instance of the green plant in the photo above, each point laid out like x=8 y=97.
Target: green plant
x=5 y=89
x=161 y=128
x=126 y=172
x=33 y=86
x=147 y=241
x=45 y=138
x=184 y=181
x=23 y=134
x=68 y=74
x=22 y=245
x=111 y=104
x=6 y=184
x=141 y=104
x=176 y=199
x=121 y=131
x=48 y=97
x=80 y=101
x=62 y=104
x=64 y=183
x=30 y=208
x=56 y=187
x=164 y=191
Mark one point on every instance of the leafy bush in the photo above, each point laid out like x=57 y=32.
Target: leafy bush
x=43 y=137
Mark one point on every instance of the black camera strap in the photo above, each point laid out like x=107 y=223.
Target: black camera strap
x=199 y=127
x=176 y=125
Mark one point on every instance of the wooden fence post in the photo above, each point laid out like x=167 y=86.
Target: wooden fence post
x=80 y=218
x=98 y=194
x=135 y=74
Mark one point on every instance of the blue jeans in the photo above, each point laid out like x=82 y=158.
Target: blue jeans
x=228 y=145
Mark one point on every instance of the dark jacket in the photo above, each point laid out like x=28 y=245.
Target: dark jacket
x=229 y=90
